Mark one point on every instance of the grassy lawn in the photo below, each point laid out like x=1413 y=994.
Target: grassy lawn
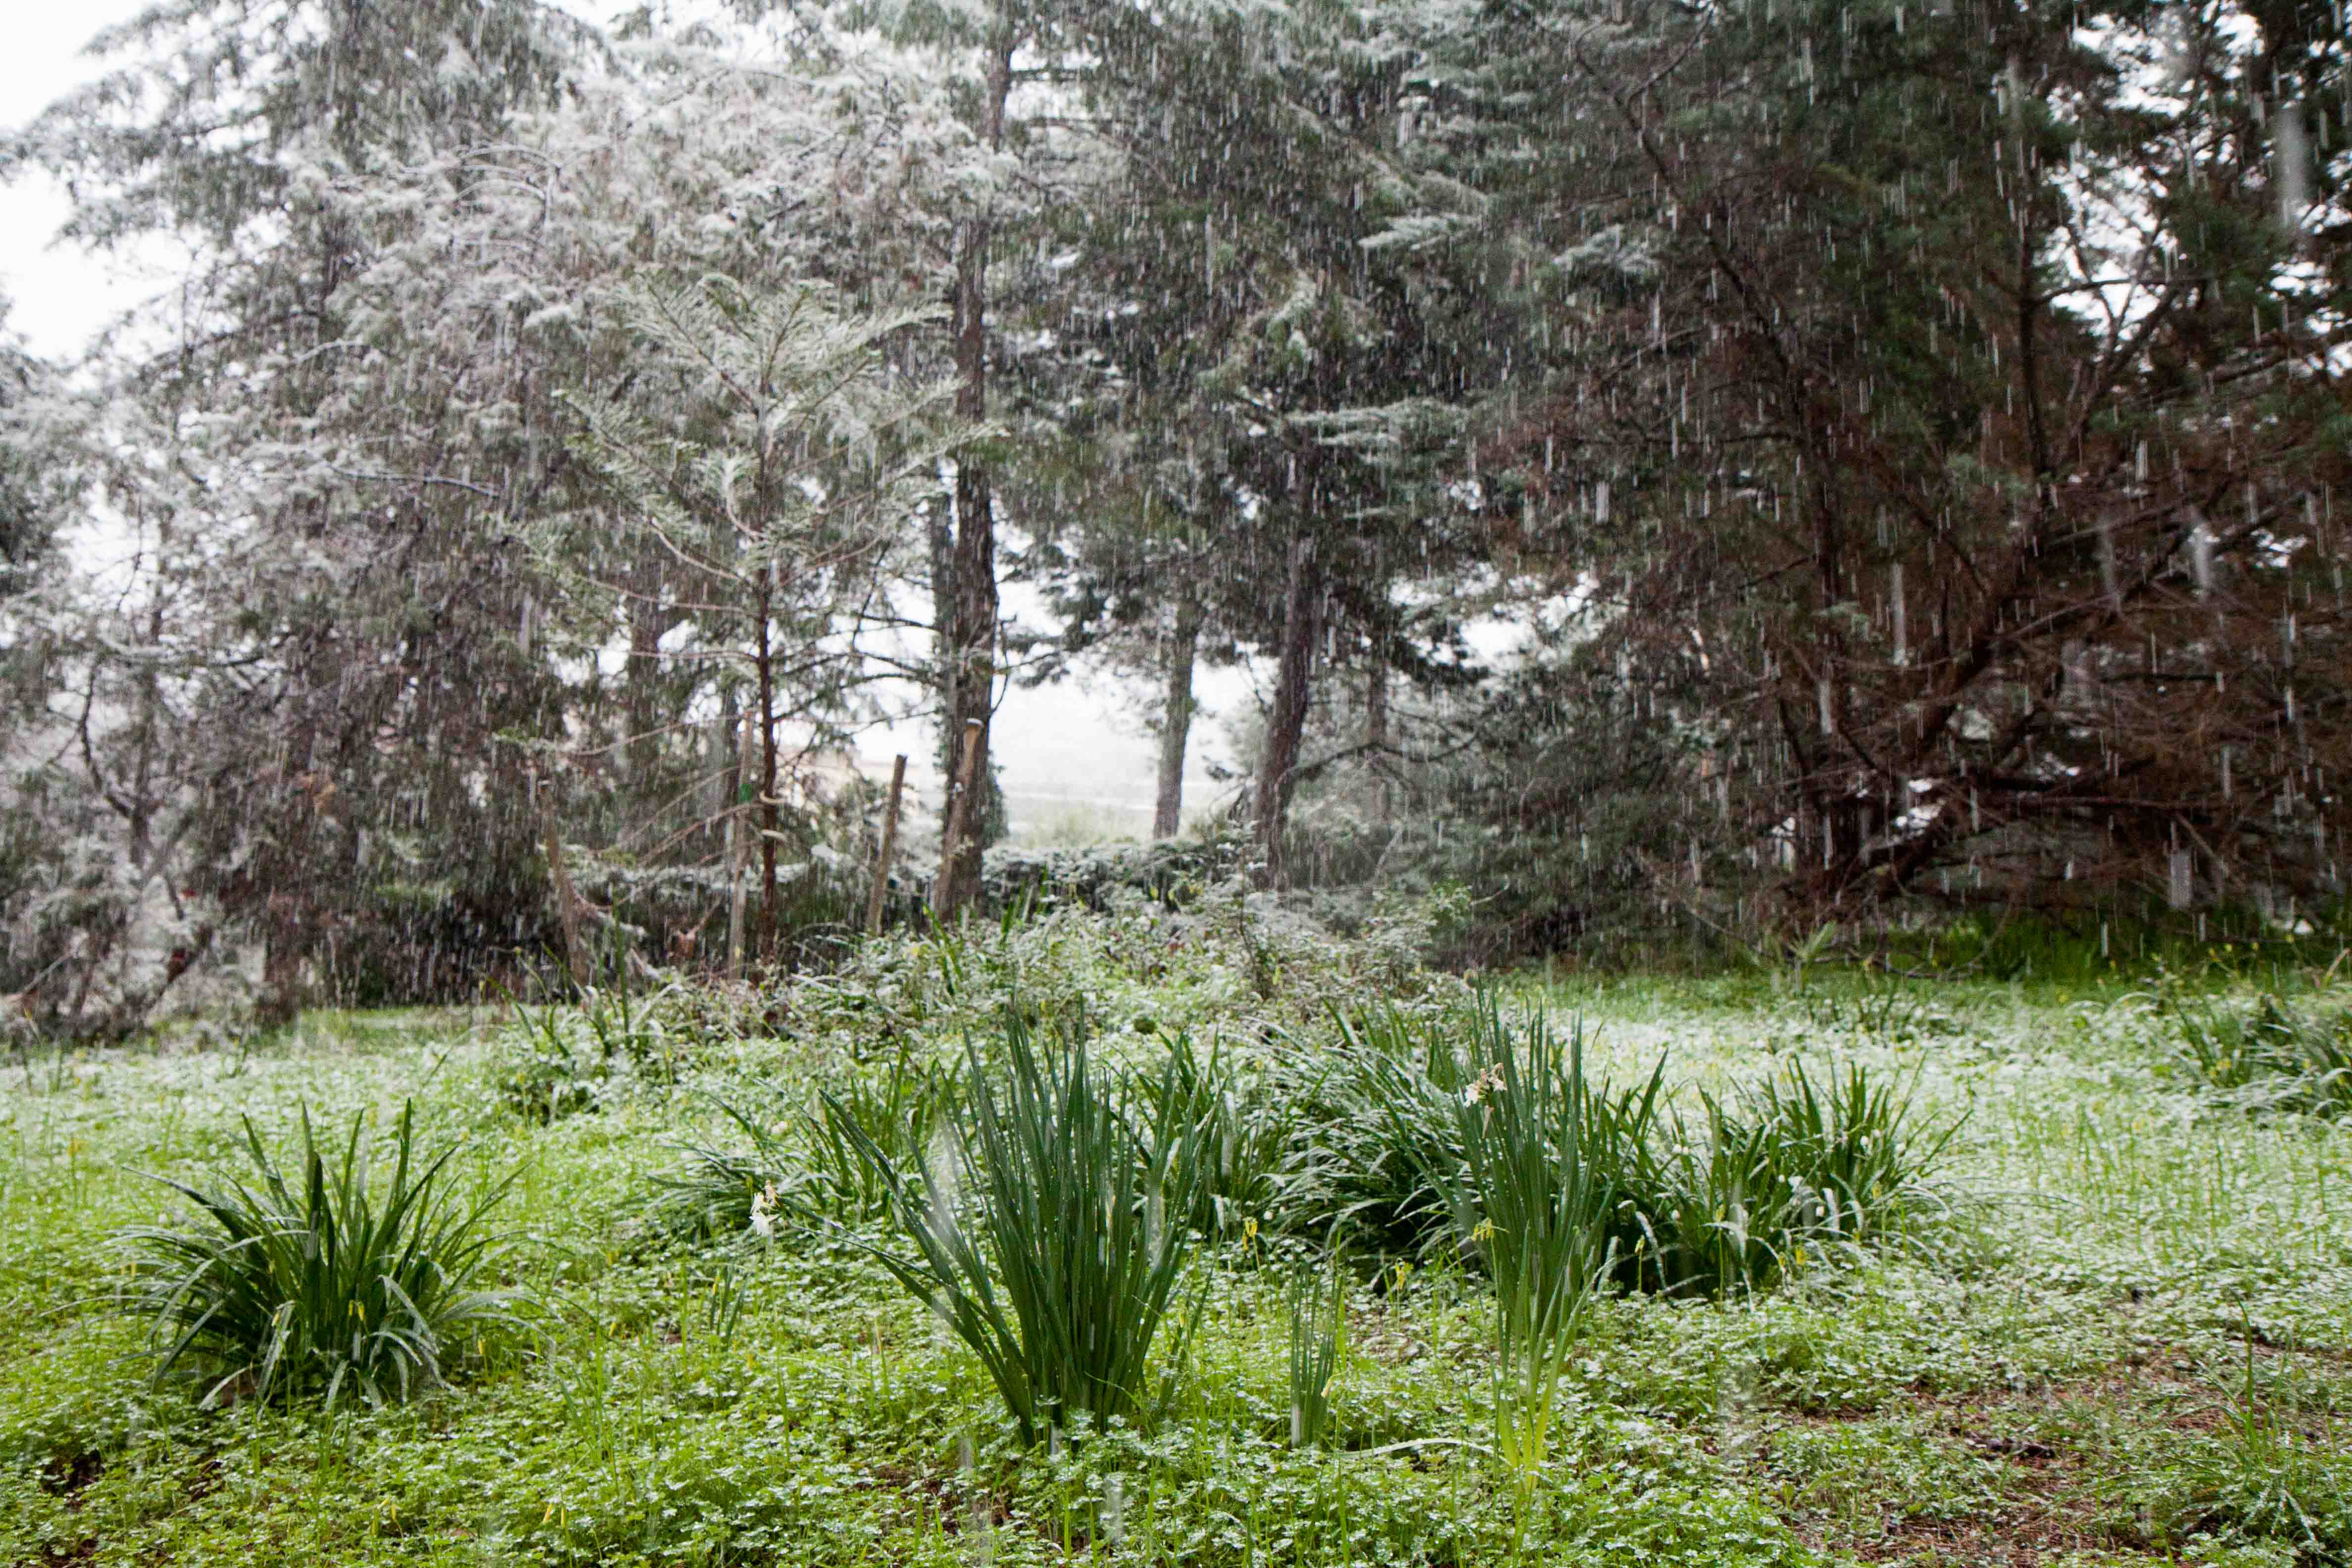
x=2121 y=1334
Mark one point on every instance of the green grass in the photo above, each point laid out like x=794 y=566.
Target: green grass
x=2273 y=1054
x=2122 y=1334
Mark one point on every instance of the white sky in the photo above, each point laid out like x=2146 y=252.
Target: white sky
x=62 y=295
x=1079 y=742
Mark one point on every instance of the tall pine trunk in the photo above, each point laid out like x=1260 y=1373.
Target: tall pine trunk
x=1176 y=718
x=1302 y=629
x=971 y=607
x=642 y=678
x=769 y=824
x=969 y=669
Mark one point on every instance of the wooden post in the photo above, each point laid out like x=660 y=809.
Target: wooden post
x=567 y=906
x=889 y=848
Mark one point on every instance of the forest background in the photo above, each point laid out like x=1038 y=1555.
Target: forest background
x=1684 y=475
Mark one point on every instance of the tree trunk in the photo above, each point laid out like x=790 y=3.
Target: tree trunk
x=738 y=841
x=735 y=893
x=768 y=822
x=887 y=849
x=282 y=947
x=971 y=690
x=641 y=682
x=730 y=766
x=1376 y=732
x=1176 y=718
x=567 y=905
x=969 y=669
x=1302 y=629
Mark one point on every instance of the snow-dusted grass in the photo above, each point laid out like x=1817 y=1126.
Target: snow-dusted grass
x=2129 y=1342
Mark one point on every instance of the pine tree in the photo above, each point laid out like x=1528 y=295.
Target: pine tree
x=768 y=453
x=1962 y=401
x=1285 y=335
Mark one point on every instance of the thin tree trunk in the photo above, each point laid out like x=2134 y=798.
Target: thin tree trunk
x=1376 y=734
x=142 y=805
x=641 y=682
x=730 y=767
x=734 y=892
x=887 y=847
x=737 y=841
x=768 y=825
x=567 y=905
x=972 y=690
x=939 y=530
x=969 y=672
x=964 y=789
x=1302 y=629
x=1176 y=718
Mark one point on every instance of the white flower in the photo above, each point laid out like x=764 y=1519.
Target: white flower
x=764 y=1204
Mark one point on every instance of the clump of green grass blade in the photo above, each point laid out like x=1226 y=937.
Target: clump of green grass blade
x=1248 y=1114
x=718 y=1187
x=806 y=1161
x=543 y=1080
x=1549 y=1177
x=2261 y=1483
x=1375 y=1124
x=1792 y=1170
x=1043 y=1237
x=327 y=1286
x=2256 y=1477
x=2273 y=1057
x=1787 y=1172
x=1318 y=1303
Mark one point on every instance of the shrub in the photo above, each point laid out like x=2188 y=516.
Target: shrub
x=1059 y=1266
x=1173 y=872
x=325 y=1287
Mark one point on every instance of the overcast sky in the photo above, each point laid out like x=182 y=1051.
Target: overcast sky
x=61 y=296
x=1078 y=740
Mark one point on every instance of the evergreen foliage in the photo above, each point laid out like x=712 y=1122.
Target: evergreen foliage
x=1685 y=475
